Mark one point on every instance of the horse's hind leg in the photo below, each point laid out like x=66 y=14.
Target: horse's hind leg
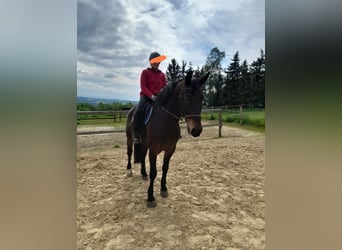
x=129 y=154
x=129 y=141
x=167 y=156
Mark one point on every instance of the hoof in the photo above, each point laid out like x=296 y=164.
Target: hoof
x=164 y=194
x=144 y=177
x=151 y=204
x=129 y=173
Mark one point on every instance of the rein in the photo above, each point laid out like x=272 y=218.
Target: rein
x=182 y=112
x=173 y=115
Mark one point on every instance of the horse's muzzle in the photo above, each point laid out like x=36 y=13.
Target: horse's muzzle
x=196 y=132
x=194 y=127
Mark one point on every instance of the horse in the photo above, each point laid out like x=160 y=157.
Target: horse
x=178 y=100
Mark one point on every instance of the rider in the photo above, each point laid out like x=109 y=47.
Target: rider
x=152 y=80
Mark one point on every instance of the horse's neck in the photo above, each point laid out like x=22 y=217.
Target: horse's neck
x=173 y=103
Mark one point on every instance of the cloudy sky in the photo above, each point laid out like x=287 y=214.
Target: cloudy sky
x=115 y=38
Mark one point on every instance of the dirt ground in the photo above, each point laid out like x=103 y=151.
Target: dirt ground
x=216 y=194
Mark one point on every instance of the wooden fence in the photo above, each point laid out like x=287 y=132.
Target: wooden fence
x=119 y=115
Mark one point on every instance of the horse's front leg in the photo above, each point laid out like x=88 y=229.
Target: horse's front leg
x=167 y=156
x=153 y=173
x=143 y=167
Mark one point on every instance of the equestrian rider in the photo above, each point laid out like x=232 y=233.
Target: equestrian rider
x=152 y=80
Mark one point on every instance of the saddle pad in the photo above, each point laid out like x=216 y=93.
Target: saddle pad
x=148 y=113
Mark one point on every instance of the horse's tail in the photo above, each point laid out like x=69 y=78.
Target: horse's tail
x=137 y=152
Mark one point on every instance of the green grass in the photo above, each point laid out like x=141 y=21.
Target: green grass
x=254 y=120
x=246 y=126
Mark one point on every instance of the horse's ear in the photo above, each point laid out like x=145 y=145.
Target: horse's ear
x=188 y=77
x=204 y=78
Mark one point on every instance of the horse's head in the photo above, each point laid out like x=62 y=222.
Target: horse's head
x=192 y=102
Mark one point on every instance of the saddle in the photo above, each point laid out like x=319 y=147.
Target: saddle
x=147 y=112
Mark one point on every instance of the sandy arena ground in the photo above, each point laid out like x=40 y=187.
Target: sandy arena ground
x=216 y=194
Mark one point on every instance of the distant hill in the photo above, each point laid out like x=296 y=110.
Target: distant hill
x=96 y=101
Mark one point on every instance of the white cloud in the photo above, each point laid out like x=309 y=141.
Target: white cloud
x=115 y=38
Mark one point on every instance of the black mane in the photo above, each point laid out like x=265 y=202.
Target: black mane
x=166 y=92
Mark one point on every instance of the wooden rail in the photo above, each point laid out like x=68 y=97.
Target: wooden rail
x=117 y=115
x=111 y=112
x=123 y=113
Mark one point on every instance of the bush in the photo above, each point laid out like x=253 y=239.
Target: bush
x=212 y=117
x=254 y=118
x=228 y=119
x=260 y=123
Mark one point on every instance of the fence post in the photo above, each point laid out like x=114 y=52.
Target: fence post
x=220 y=124
x=241 y=114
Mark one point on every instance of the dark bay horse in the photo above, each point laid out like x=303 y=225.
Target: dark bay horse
x=182 y=100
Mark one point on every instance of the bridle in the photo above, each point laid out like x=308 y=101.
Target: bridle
x=183 y=115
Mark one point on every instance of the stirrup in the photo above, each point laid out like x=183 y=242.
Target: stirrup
x=136 y=139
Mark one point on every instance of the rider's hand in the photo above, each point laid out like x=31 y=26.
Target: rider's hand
x=153 y=98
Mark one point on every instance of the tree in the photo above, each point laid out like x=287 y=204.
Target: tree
x=258 y=71
x=214 y=59
x=189 y=67
x=197 y=72
x=85 y=107
x=215 y=80
x=244 y=83
x=232 y=89
x=238 y=84
x=183 y=70
x=173 y=71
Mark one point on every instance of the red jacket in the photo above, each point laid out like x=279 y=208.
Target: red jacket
x=151 y=82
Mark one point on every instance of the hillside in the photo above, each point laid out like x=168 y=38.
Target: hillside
x=96 y=101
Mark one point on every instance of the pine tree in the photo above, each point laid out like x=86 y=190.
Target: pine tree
x=232 y=91
x=197 y=72
x=183 y=71
x=173 y=71
x=189 y=68
x=244 y=83
x=258 y=71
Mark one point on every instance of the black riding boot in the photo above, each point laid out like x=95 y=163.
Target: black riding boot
x=139 y=119
x=137 y=126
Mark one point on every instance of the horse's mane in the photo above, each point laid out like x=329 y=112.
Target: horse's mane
x=166 y=92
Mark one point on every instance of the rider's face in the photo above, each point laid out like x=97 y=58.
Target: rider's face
x=155 y=65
